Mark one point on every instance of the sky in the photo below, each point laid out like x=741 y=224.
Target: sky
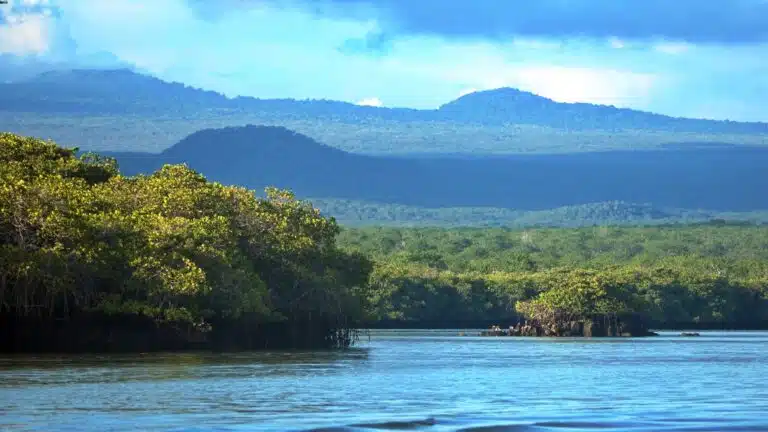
x=694 y=58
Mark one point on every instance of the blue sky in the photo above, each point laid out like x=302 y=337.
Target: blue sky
x=698 y=58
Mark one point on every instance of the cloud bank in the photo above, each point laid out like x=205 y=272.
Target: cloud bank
x=25 y=27
x=698 y=21
x=680 y=57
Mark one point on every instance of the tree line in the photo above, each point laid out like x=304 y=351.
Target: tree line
x=170 y=252
x=92 y=259
x=712 y=275
x=352 y=213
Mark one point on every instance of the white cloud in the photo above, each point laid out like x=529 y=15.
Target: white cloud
x=25 y=33
x=374 y=102
x=561 y=74
x=617 y=43
x=672 y=48
x=257 y=51
x=573 y=84
x=536 y=44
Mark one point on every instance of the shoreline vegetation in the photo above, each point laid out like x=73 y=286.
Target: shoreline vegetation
x=91 y=260
x=691 y=277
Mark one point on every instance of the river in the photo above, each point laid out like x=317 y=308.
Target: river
x=405 y=380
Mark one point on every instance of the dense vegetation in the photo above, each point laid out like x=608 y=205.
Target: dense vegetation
x=709 y=275
x=718 y=179
x=365 y=213
x=125 y=111
x=88 y=256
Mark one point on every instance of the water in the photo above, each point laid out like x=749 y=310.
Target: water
x=432 y=381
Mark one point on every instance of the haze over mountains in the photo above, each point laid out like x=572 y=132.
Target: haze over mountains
x=120 y=110
x=717 y=178
x=123 y=90
x=506 y=151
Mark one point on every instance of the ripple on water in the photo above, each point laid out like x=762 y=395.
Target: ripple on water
x=432 y=382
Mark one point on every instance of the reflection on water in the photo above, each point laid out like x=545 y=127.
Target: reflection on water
x=406 y=380
x=57 y=370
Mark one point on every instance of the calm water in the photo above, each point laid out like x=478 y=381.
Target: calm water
x=430 y=381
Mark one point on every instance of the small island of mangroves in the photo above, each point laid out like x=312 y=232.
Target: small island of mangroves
x=91 y=260
x=566 y=325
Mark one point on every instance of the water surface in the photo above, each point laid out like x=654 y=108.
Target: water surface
x=407 y=380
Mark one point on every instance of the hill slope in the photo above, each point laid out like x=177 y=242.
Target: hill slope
x=92 y=91
x=609 y=213
x=508 y=105
x=120 y=110
x=716 y=178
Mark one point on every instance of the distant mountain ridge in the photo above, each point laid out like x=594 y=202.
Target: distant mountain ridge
x=100 y=91
x=725 y=179
x=517 y=106
x=122 y=110
x=121 y=89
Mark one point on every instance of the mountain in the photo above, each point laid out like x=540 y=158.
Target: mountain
x=124 y=88
x=94 y=91
x=508 y=105
x=716 y=178
x=122 y=110
x=22 y=68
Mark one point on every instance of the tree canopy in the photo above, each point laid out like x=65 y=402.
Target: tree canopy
x=710 y=275
x=80 y=240
x=76 y=237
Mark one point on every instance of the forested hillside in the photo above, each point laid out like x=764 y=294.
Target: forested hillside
x=716 y=179
x=507 y=105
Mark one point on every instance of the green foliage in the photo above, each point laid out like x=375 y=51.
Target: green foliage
x=735 y=249
x=578 y=295
x=354 y=213
x=26 y=159
x=77 y=237
x=710 y=273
